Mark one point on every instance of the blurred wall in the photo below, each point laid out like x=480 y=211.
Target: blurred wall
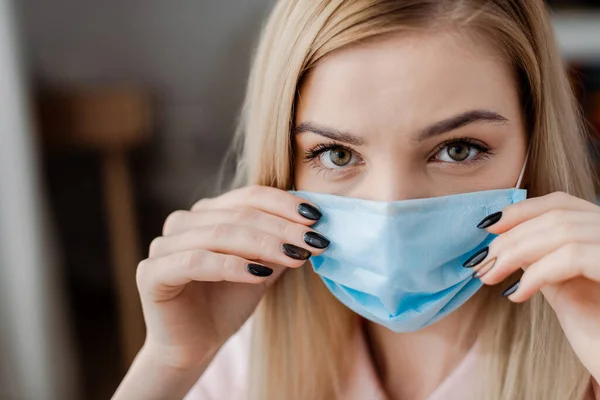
x=193 y=54
x=35 y=351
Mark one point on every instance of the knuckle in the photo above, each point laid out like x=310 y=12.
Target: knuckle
x=172 y=221
x=221 y=231
x=244 y=214
x=253 y=191
x=265 y=242
x=571 y=253
x=229 y=266
x=557 y=217
x=567 y=230
x=193 y=259
x=155 y=246
x=265 y=245
x=515 y=247
x=141 y=273
x=559 y=196
x=508 y=240
x=499 y=242
x=290 y=230
x=200 y=204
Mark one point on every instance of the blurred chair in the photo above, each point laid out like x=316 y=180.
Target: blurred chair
x=110 y=120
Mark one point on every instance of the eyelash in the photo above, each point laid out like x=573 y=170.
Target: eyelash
x=316 y=151
x=311 y=155
x=484 y=151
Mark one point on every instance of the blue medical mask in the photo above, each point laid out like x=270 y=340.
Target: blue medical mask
x=399 y=263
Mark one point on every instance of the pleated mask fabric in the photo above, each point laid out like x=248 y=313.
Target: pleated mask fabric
x=399 y=263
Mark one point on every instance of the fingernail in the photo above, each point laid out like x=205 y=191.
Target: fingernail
x=259 y=270
x=308 y=211
x=511 y=289
x=295 y=252
x=316 y=240
x=490 y=220
x=484 y=268
x=477 y=258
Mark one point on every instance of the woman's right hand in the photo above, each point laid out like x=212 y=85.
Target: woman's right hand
x=205 y=276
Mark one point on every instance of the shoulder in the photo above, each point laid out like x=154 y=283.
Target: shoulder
x=226 y=376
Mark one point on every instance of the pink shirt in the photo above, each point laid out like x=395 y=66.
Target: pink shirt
x=225 y=378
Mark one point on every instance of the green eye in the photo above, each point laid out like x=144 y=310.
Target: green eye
x=333 y=157
x=340 y=157
x=459 y=152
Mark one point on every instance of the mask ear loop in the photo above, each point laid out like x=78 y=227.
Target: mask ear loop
x=522 y=174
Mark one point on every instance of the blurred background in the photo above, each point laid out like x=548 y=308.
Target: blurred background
x=113 y=114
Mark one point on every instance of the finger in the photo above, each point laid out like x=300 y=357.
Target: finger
x=268 y=199
x=525 y=210
x=568 y=262
x=181 y=221
x=181 y=268
x=290 y=232
x=246 y=242
x=533 y=239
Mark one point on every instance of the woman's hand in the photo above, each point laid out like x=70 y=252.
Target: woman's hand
x=556 y=240
x=206 y=274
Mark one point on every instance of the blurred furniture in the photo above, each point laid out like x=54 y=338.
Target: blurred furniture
x=111 y=121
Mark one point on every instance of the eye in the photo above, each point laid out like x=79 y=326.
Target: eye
x=459 y=151
x=336 y=157
x=332 y=157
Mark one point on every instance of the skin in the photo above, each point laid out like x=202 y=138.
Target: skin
x=385 y=94
x=196 y=290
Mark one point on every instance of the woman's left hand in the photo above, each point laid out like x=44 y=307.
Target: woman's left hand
x=556 y=240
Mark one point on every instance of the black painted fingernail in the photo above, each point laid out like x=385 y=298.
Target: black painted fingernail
x=316 y=240
x=511 y=289
x=484 y=268
x=308 y=211
x=490 y=220
x=295 y=252
x=477 y=258
x=259 y=270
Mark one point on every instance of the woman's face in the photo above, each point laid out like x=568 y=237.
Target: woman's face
x=409 y=117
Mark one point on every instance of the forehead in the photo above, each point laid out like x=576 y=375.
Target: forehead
x=408 y=79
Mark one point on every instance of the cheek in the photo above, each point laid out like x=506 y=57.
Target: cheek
x=306 y=179
x=500 y=171
x=305 y=176
x=302 y=181
x=509 y=163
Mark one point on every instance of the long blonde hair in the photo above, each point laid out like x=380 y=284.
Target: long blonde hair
x=302 y=333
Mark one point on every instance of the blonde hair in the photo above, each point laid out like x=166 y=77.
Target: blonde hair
x=302 y=333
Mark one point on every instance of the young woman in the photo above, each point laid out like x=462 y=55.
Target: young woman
x=406 y=126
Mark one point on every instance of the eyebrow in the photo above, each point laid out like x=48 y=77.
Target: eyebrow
x=458 y=121
x=330 y=133
x=439 y=128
